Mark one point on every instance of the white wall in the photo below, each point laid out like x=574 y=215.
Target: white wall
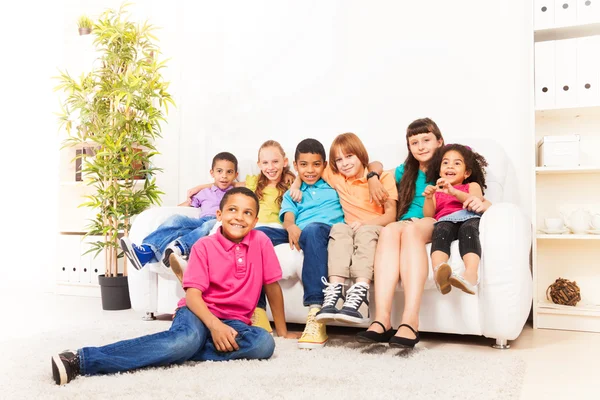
x=243 y=72
x=291 y=70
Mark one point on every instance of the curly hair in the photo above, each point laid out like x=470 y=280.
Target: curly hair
x=475 y=163
x=262 y=183
x=407 y=186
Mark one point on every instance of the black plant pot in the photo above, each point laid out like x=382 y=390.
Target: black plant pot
x=115 y=292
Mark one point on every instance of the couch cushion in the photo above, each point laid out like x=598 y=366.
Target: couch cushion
x=291 y=263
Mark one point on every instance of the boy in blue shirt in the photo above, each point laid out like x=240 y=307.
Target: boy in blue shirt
x=306 y=227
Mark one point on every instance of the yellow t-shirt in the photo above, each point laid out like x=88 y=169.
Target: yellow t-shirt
x=269 y=209
x=354 y=194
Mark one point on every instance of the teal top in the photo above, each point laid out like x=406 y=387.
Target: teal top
x=320 y=203
x=415 y=210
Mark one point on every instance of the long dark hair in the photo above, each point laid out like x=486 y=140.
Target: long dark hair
x=474 y=163
x=407 y=185
x=263 y=182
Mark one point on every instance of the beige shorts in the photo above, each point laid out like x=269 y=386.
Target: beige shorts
x=352 y=254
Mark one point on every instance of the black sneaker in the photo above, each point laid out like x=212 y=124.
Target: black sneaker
x=334 y=298
x=356 y=306
x=65 y=366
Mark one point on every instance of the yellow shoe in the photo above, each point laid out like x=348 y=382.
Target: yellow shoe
x=314 y=335
x=259 y=319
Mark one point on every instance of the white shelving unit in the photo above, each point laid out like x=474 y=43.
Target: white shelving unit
x=571 y=256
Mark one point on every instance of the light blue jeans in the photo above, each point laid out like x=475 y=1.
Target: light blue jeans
x=188 y=339
x=180 y=229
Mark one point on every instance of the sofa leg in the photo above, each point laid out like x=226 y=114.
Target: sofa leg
x=149 y=316
x=501 y=344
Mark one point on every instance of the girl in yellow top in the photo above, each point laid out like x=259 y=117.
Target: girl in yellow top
x=270 y=185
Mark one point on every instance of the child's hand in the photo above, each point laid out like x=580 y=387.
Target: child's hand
x=223 y=337
x=377 y=192
x=288 y=178
x=475 y=204
x=444 y=186
x=296 y=195
x=429 y=192
x=294 y=236
x=355 y=225
x=191 y=192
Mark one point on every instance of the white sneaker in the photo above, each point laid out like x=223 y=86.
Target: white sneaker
x=171 y=249
x=178 y=265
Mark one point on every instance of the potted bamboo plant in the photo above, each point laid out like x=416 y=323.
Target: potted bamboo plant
x=85 y=25
x=116 y=109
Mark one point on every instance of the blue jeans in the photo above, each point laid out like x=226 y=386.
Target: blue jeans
x=188 y=339
x=313 y=242
x=184 y=230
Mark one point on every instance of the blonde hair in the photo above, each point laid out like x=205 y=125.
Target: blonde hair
x=349 y=143
x=263 y=181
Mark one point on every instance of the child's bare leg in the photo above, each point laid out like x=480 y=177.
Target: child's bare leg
x=438 y=257
x=387 y=273
x=471 y=274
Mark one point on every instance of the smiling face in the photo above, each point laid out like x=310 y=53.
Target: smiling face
x=453 y=168
x=223 y=173
x=423 y=146
x=238 y=217
x=271 y=163
x=310 y=167
x=348 y=164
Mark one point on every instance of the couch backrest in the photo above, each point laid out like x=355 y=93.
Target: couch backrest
x=501 y=178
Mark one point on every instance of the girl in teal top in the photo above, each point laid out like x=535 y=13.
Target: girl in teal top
x=415 y=208
x=401 y=250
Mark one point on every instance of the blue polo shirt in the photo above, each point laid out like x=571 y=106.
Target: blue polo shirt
x=320 y=203
x=415 y=210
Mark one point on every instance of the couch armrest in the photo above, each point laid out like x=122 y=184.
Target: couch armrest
x=505 y=290
x=143 y=284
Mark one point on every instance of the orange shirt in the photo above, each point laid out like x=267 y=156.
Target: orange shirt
x=354 y=195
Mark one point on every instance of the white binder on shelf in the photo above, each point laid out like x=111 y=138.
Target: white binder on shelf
x=543 y=14
x=565 y=56
x=588 y=70
x=565 y=12
x=64 y=257
x=588 y=11
x=545 y=89
x=97 y=264
x=73 y=257
x=85 y=274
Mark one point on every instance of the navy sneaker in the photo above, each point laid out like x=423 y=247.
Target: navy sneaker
x=334 y=298
x=138 y=255
x=356 y=306
x=65 y=366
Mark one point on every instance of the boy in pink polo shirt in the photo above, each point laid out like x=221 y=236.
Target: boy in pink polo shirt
x=225 y=274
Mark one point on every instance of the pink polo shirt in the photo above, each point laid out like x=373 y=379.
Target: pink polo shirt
x=231 y=275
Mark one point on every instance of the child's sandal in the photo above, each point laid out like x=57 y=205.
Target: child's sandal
x=459 y=282
x=441 y=276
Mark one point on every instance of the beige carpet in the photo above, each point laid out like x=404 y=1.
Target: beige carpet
x=340 y=370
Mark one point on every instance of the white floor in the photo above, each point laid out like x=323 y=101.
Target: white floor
x=560 y=364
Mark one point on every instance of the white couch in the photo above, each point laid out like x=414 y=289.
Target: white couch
x=499 y=310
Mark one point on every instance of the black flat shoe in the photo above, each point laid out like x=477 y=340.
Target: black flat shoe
x=402 y=342
x=375 y=337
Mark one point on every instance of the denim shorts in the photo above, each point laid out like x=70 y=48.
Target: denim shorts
x=459 y=216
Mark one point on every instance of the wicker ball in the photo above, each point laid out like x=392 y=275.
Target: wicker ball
x=564 y=292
